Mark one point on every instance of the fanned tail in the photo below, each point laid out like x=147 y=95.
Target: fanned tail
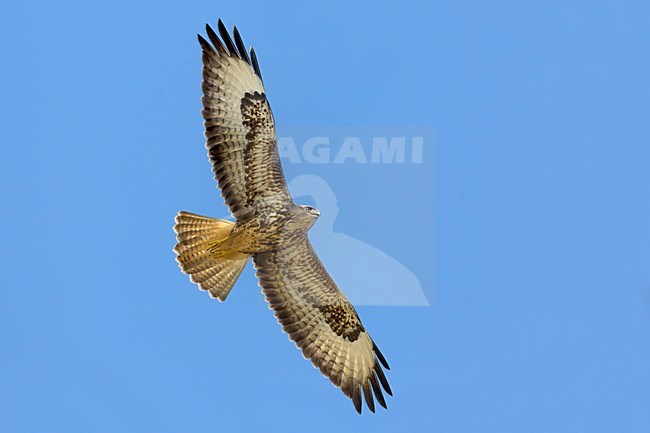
x=197 y=249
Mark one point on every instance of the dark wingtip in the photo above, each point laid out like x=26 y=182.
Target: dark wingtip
x=357 y=405
x=215 y=39
x=256 y=65
x=380 y=356
x=377 y=391
x=224 y=45
x=204 y=44
x=209 y=31
x=356 y=397
x=241 y=48
x=382 y=379
x=368 y=396
x=227 y=39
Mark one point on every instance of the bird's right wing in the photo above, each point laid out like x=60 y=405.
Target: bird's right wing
x=239 y=127
x=321 y=321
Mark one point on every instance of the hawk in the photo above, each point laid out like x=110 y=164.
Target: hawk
x=269 y=227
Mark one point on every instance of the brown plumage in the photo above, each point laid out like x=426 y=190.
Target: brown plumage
x=270 y=228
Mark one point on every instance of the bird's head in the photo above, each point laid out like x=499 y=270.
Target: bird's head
x=312 y=211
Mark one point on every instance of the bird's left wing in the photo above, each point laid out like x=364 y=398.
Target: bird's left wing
x=321 y=321
x=239 y=127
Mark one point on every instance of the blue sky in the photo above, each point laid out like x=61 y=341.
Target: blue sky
x=526 y=224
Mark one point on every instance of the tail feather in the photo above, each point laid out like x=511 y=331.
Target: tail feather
x=196 y=235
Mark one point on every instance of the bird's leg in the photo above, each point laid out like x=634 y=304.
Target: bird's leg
x=214 y=248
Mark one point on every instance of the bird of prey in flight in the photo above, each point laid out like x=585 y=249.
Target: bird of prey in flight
x=269 y=227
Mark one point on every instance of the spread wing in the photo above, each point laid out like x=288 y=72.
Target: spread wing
x=239 y=127
x=321 y=321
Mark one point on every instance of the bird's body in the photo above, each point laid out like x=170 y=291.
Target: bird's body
x=265 y=231
x=269 y=227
